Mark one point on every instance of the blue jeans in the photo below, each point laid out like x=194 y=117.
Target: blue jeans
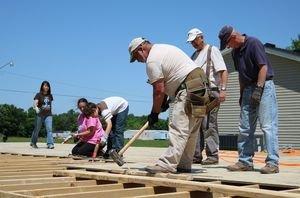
x=37 y=127
x=116 y=136
x=267 y=115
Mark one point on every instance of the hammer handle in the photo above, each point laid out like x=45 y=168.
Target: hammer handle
x=133 y=138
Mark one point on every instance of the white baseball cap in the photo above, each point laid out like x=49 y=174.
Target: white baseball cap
x=133 y=45
x=193 y=33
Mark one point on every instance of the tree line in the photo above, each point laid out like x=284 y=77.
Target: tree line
x=16 y=121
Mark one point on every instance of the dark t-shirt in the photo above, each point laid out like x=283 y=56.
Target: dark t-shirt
x=248 y=58
x=44 y=103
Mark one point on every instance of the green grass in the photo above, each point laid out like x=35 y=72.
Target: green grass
x=137 y=143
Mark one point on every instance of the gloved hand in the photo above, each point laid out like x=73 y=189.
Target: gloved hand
x=165 y=105
x=256 y=95
x=152 y=119
x=37 y=110
x=103 y=141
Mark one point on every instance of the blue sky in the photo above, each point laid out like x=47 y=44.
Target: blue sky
x=81 y=47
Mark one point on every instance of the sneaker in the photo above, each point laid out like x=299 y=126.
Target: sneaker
x=156 y=169
x=50 y=146
x=197 y=160
x=239 y=166
x=210 y=161
x=184 y=170
x=34 y=145
x=269 y=169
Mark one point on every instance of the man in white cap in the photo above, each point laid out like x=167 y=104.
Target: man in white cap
x=172 y=72
x=209 y=58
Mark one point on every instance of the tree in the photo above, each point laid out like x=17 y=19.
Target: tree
x=65 y=121
x=295 y=44
x=12 y=120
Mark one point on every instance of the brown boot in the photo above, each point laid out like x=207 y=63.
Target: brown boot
x=239 y=166
x=269 y=169
x=210 y=161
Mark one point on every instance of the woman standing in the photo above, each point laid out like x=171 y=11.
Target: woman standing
x=42 y=106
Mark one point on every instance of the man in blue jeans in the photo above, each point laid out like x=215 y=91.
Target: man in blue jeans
x=114 y=110
x=257 y=99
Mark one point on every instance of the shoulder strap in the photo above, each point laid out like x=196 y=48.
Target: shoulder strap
x=208 y=60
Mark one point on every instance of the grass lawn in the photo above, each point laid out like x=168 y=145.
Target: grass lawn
x=137 y=143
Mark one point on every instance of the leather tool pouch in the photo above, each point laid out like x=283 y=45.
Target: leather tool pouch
x=197 y=94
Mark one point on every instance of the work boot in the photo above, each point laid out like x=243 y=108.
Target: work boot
x=239 y=166
x=197 y=160
x=156 y=169
x=184 y=170
x=210 y=161
x=269 y=169
x=34 y=145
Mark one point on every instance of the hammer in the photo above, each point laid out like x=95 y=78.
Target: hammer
x=117 y=156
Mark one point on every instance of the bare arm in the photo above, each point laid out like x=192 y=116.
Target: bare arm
x=158 y=95
x=108 y=126
x=223 y=75
x=89 y=131
x=262 y=74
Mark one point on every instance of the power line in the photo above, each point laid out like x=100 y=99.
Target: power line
x=72 y=85
x=67 y=95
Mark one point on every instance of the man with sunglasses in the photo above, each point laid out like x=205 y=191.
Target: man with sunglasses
x=257 y=99
x=171 y=72
x=210 y=60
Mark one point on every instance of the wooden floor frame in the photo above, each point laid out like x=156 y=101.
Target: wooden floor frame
x=43 y=176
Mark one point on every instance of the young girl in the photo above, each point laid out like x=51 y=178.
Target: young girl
x=42 y=105
x=91 y=131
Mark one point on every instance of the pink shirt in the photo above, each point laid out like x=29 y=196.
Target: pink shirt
x=97 y=133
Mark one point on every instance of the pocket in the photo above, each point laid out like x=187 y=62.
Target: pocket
x=198 y=111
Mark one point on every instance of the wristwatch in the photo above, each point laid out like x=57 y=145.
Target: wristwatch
x=223 y=88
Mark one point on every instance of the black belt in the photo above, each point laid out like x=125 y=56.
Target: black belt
x=214 y=89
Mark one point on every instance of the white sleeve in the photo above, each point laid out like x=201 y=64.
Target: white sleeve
x=154 y=72
x=106 y=114
x=217 y=59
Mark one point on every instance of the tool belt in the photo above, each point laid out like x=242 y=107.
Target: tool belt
x=196 y=84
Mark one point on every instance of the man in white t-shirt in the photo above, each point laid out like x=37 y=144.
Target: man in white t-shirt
x=170 y=72
x=114 y=110
x=210 y=59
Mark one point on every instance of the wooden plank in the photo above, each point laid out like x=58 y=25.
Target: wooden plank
x=30 y=167
x=4 y=194
x=168 y=195
x=25 y=176
x=53 y=191
x=135 y=172
x=36 y=169
x=25 y=173
x=189 y=185
x=131 y=192
x=297 y=190
x=252 y=186
x=33 y=186
x=37 y=180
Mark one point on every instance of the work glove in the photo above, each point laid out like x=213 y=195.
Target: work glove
x=165 y=105
x=256 y=95
x=152 y=119
x=103 y=141
x=37 y=110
